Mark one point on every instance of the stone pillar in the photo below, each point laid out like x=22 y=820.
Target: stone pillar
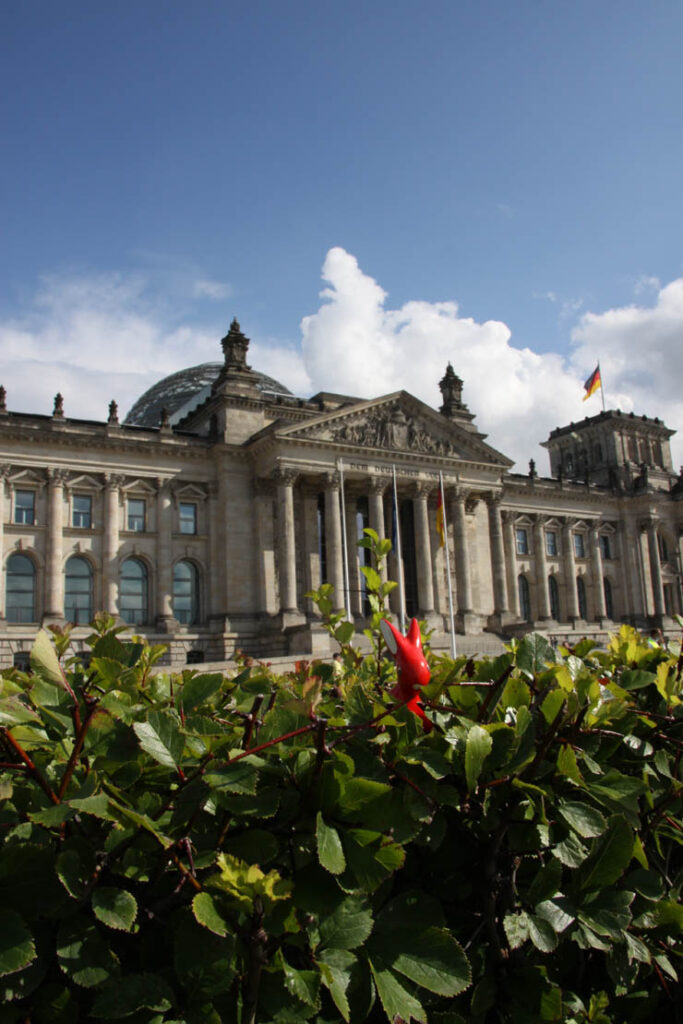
x=164 y=574
x=655 y=568
x=265 y=554
x=378 y=486
x=463 y=581
x=54 y=589
x=500 y=602
x=215 y=590
x=110 y=544
x=597 y=572
x=570 y=571
x=333 y=539
x=510 y=549
x=353 y=551
x=4 y=472
x=285 y=479
x=425 y=579
x=541 y=569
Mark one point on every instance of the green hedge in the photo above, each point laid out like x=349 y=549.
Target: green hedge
x=284 y=849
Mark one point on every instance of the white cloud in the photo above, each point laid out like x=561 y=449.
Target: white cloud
x=111 y=336
x=211 y=290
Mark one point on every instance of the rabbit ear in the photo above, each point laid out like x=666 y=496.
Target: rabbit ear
x=391 y=635
x=413 y=635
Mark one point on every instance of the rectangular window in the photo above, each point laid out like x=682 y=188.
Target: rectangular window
x=136 y=515
x=522 y=541
x=579 y=545
x=82 y=511
x=25 y=507
x=550 y=542
x=188 y=517
x=605 y=546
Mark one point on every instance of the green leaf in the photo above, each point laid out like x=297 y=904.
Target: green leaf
x=160 y=737
x=636 y=679
x=534 y=652
x=45 y=663
x=477 y=749
x=570 y=851
x=567 y=764
x=636 y=949
x=200 y=689
x=131 y=993
x=610 y=856
x=17 y=948
x=347 y=927
x=83 y=953
x=344 y=632
x=546 y=883
x=207 y=914
x=361 y=799
x=398 y=1003
x=335 y=973
x=542 y=934
x=516 y=929
x=585 y=820
x=608 y=912
x=330 y=852
x=558 y=913
x=372 y=577
x=646 y=883
x=116 y=908
x=14 y=711
x=303 y=985
x=432 y=958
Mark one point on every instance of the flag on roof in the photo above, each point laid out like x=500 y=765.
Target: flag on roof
x=593 y=383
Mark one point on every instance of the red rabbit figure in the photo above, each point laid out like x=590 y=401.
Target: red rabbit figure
x=413 y=670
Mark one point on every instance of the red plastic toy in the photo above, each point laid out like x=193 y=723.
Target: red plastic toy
x=413 y=670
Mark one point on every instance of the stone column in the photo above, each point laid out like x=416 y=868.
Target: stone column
x=596 y=568
x=333 y=538
x=510 y=549
x=655 y=567
x=500 y=603
x=164 y=574
x=425 y=580
x=285 y=479
x=110 y=544
x=265 y=555
x=463 y=579
x=378 y=485
x=215 y=590
x=4 y=473
x=54 y=589
x=541 y=569
x=570 y=571
x=353 y=551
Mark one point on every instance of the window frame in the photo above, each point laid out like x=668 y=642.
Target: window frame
x=194 y=616
x=579 y=542
x=78 y=513
x=605 y=542
x=192 y=520
x=521 y=540
x=23 y=521
x=77 y=619
x=524 y=597
x=551 y=546
x=134 y=517
x=143 y=619
x=14 y=619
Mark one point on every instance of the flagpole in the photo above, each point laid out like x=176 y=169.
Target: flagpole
x=448 y=564
x=399 y=558
x=602 y=388
x=345 y=548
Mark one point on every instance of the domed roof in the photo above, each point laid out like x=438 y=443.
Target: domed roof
x=181 y=392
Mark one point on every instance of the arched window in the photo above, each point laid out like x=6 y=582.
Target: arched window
x=133 y=596
x=186 y=593
x=524 y=599
x=554 y=594
x=581 y=595
x=609 y=601
x=20 y=599
x=78 y=591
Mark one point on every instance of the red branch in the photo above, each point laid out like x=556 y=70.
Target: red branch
x=33 y=769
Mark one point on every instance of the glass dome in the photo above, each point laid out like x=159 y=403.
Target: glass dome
x=181 y=392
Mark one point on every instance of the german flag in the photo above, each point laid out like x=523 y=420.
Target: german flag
x=439 y=519
x=593 y=383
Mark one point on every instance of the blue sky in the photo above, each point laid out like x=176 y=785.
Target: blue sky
x=499 y=180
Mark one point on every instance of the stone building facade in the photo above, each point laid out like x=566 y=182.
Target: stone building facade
x=204 y=518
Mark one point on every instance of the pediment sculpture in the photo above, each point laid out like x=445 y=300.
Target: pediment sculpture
x=388 y=427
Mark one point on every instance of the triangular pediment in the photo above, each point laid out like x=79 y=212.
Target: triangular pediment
x=397 y=423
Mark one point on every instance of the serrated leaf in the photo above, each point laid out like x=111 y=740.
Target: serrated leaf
x=542 y=934
x=45 y=663
x=200 y=689
x=477 y=749
x=335 y=973
x=347 y=927
x=636 y=948
x=558 y=913
x=567 y=764
x=131 y=993
x=516 y=929
x=83 y=953
x=17 y=948
x=161 y=738
x=14 y=711
x=207 y=914
x=609 y=857
x=585 y=820
x=570 y=851
x=431 y=958
x=245 y=882
x=398 y=1003
x=117 y=908
x=533 y=653
x=330 y=851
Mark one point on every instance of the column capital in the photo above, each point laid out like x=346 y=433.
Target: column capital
x=493 y=498
x=539 y=519
x=114 y=481
x=422 y=489
x=56 y=476
x=164 y=485
x=332 y=479
x=569 y=522
x=509 y=516
x=285 y=475
x=649 y=523
x=378 y=484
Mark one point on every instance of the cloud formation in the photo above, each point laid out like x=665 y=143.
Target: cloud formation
x=112 y=336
